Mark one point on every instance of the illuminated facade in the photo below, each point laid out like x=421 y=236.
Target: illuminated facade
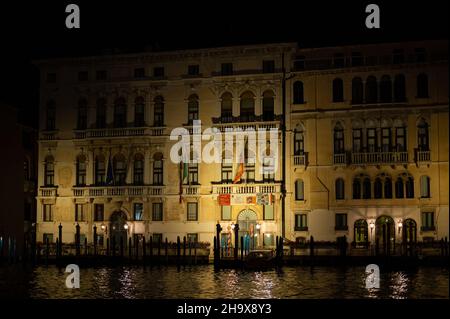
x=366 y=136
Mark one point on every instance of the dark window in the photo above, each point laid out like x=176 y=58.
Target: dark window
x=372 y=143
x=101 y=75
x=268 y=66
x=341 y=221
x=193 y=69
x=120 y=112
x=79 y=212
x=398 y=56
x=428 y=221
x=399 y=88
x=338 y=137
x=377 y=188
x=193 y=173
x=139 y=112
x=338 y=60
x=51 y=77
x=422 y=135
x=138 y=170
x=101 y=113
x=338 y=90
x=268 y=212
x=157 y=238
x=422 y=86
x=192 y=238
x=299 y=142
x=247 y=107
x=49 y=172
x=227 y=68
x=357 y=91
x=387 y=188
x=366 y=188
x=340 y=188
x=50 y=116
x=158 y=169
x=399 y=188
x=158 y=111
x=356 y=188
x=421 y=55
x=357 y=59
x=83 y=76
x=82 y=115
x=193 y=108
x=386 y=139
x=425 y=187
x=26 y=169
x=47 y=213
x=157 y=211
x=100 y=169
x=192 y=211
x=371 y=90
x=158 y=72
x=226 y=111
x=268 y=106
x=400 y=136
x=139 y=73
x=99 y=210
x=410 y=188
x=81 y=171
x=299 y=63
x=298 y=93
x=226 y=212
x=385 y=89
x=119 y=170
x=227 y=170
x=138 y=211
x=357 y=140
x=268 y=170
x=301 y=222
x=299 y=190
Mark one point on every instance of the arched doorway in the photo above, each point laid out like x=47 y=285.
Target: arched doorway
x=385 y=235
x=247 y=229
x=361 y=233
x=409 y=235
x=118 y=221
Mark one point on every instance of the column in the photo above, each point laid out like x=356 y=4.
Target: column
x=147 y=167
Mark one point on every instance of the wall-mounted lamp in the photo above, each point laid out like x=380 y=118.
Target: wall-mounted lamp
x=125 y=226
x=400 y=226
x=232 y=226
x=372 y=226
x=258 y=226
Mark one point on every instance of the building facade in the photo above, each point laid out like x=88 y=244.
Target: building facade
x=366 y=144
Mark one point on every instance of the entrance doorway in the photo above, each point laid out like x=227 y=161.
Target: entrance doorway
x=118 y=221
x=247 y=229
x=385 y=235
x=361 y=233
x=409 y=235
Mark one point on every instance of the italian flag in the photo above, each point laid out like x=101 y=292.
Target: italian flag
x=240 y=168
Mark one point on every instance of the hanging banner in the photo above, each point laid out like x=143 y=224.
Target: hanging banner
x=224 y=199
x=264 y=199
x=237 y=199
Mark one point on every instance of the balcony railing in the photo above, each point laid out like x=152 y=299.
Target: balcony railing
x=48 y=191
x=191 y=189
x=300 y=160
x=423 y=156
x=340 y=159
x=119 y=132
x=246 y=188
x=48 y=135
x=380 y=158
x=101 y=191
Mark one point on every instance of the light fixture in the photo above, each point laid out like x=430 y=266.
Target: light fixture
x=258 y=226
x=232 y=226
x=372 y=225
x=125 y=226
x=103 y=227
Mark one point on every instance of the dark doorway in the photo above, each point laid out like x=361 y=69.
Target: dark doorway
x=385 y=235
x=118 y=221
x=361 y=233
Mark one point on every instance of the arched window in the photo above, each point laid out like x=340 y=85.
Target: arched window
x=82 y=114
x=371 y=90
x=422 y=136
x=422 y=86
x=338 y=139
x=100 y=121
x=378 y=188
x=356 y=188
x=50 y=116
x=357 y=91
x=119 y=167
x=138 y=169
x=247 y=107
x=399 y=188
x=49 y=171
x=158 y=111
x=338 y=90
x=139 y=112
x=100 y=170
x=299 y=190
x=120 y=112
x=410 y=187
x=340 y=188
x=226 y=107
x=385 y=89
x=81 y=171
x=268 y=106
x=387 y=187
x=366 y=189
x=193 y=108
x=399 y=88
x=158 y=169
x=425 y=187
x=299 y=97
x=299 y=141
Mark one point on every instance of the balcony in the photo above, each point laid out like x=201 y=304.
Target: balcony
x=301 y=228
x=301 y=160
x=427 y=228
x=422 y=157
x=257 y=122
x=380 y=158
x=48 y=191
x=110 y=191
x=119 y=132
x=48 y=135
x=191 y=189
x=340 y=159
x=268 y=188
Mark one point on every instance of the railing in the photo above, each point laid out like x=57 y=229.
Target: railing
x=48 y=191
x=423 y=156
x=100 y=191
x=48 y=135
x=246 y=188
x=191 y=189
x=340 y=159
x=249 y=125
x=119 y=132
x=300 y=160
x=380 y=158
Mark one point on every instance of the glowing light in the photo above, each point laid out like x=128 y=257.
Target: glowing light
x=125 y=226
x=258 y=226
x=372 y=225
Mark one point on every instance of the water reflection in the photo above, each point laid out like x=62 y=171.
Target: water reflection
x=205 y=282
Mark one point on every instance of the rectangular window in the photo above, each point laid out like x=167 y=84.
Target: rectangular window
x=139 y=73
x=268 y=66
x=249 y=173
x=398 y=56
x=427 y=221
x=268 y=239
x=421 y=55
x=47 y=236
x=192 y=211
x=371 y=140
x=341 y=222
x=83 y=76
x=192 y=238
x=226 y=212
x=193 y=173
x=100 y=75
x=157 y=211
x=158 y=72
x=227 y=172
x=386 y=139
x=138 y=211
x=357 y=140
x=299 y=190
x=299 y=143
x=99 y=212
x=79 y=212
x=357 y=59
x=227 y=68
x=299 y=63
x=400 y=135
x=157 y=238
x=268 y=170
x=158 y=172
x=301 y=222
x=194 y=69
x=51 y=77
x=47 y=213
x=339 y=60
x=268 y=212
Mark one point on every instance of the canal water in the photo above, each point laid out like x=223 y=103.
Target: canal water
x=205 y=282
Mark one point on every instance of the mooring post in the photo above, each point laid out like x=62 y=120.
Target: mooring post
x=121 y=247
x=85 y=246
x=143 y=250
x=217 y=238
x=77 y=240
x=236 y=241
x=47 y=248
x=166 y=251
x=242 y=248
x=151 y=250
x=178 y=249
x=184 y=250
x=60 y=240
x=311 y=246
x=95 y=241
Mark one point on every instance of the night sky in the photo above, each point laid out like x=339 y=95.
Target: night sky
x=37 y=30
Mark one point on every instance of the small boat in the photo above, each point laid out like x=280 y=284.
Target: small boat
x=262 y=258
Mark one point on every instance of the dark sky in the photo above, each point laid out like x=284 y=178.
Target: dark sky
x=37 y=29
